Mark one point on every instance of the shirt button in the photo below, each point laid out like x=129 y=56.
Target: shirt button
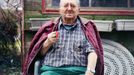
x=67 y=31
x=78 y=49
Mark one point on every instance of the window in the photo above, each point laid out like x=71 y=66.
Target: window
x=103 y=3
x=55 y=2
x=132 y=3
x=52 y=3
x=97 y=3
x=84 y=3
x=95 y=6
x=109 y=3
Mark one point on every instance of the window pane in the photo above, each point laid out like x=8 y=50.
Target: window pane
x=132 y=3
x=95 y=3
x=55 y=2
x=52 y=3
x=109 y=3
x=84 y=3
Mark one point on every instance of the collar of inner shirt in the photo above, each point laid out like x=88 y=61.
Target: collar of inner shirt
x=68 y=26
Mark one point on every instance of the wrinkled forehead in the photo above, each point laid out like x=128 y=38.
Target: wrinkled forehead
x=63 y=2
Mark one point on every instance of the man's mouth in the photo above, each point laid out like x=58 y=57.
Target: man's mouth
x=69 y=13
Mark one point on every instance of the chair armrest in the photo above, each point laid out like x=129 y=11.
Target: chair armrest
x=36 y=67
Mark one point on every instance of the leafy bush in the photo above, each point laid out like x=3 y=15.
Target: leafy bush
x=9 y=60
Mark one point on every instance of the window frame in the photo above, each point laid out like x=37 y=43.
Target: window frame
x=93 y=10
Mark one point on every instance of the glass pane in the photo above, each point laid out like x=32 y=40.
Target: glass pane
x=132 y=3
x=52 y=3
x=84 y=3
x=55 y=2
x=109 y=3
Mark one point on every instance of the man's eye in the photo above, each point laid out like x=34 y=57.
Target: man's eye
x=73 y=6
x=66 y=5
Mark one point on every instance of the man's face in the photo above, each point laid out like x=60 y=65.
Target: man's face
x=69 y=9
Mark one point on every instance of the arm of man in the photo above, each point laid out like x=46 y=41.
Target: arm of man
x=45 y=47
x=51 y=39
x=92 y=60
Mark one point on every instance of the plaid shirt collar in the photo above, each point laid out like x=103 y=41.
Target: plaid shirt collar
x=74 y=24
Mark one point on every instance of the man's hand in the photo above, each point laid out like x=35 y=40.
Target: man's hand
x=88 y=73
x=52 y=37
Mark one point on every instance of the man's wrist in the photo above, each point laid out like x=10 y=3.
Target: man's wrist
x=45 y=47
x=91 y=70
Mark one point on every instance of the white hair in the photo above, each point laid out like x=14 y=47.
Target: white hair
x=62 y=1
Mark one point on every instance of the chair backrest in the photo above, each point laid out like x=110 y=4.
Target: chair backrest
x=117 y=59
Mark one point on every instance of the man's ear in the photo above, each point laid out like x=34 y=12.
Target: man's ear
x=79 y=9
x=60 y=10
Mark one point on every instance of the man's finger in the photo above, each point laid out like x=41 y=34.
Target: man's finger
x=54 y=35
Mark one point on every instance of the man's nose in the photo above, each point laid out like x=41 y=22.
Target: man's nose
x=69 y=7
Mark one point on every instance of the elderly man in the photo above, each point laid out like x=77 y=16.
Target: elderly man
x=68 y=45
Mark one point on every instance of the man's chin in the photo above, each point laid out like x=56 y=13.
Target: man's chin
x=69 y=17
